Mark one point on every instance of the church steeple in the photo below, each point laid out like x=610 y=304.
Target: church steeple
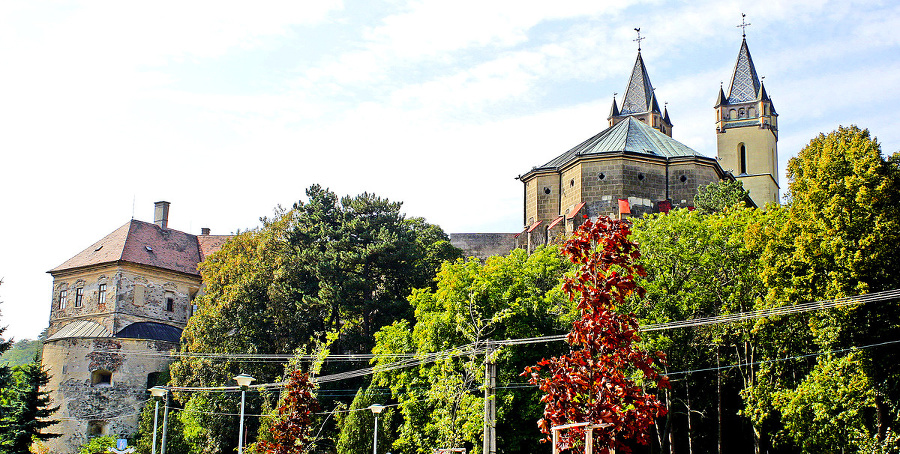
x=639 y=93
x=640 y=100
x=744 y=80
x=747 y=128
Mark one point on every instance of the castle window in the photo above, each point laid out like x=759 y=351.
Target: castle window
x=101 y=298
x=732 y=114
x=572 y=183
x=62 y=298
x=743 y=159
x=96 y=428
x=742 y=113
x=170 y=304
x=683 y=179
x=601 y=176
x=546 y=190
x=79 y=296
x=640 y=177
x=101 y=378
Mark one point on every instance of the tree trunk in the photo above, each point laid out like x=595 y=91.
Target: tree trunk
x=719 y=402
x=690 y=427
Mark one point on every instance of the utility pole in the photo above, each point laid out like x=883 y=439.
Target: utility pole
x=490 y=403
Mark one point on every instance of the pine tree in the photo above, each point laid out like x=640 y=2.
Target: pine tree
x=28 y=409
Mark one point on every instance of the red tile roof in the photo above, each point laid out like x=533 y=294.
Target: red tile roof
x=147 y=244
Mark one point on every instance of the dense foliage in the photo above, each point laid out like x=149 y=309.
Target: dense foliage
x=329 y=264
x=290 y=433
x=719 y=195
x=440 y=404
x=604 y=378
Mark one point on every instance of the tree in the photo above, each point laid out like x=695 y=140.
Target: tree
x=328 y=264
x=840 y=237
x=699 y=265
x=28 y=410
x=290 y=433
x=439 y=403
x=602 y=378
x=719 y=195
x=98 y=445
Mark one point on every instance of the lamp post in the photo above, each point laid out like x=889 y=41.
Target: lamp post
x=376 y=409
x=156 y=391
x=243 y=381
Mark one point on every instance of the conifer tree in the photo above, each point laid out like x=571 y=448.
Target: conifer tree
x=28 y=409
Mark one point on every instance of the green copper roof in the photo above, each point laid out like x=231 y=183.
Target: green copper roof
x=629 y=135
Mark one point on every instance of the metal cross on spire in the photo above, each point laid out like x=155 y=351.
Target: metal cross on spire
x=744 y=24
x=639 y=39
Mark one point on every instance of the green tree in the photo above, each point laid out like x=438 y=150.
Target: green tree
x=719 y=195
x=327 y=265
x=439 y=404
x=699 y=265
x=839 y=238
x=27 y=410
x=98 y=445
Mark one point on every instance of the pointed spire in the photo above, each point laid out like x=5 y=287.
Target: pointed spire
x=762 y=96
x=654 y=105
x=721 y=100
x=614 y=112
x=666 y=115
x=639 y=93
x=744 y=80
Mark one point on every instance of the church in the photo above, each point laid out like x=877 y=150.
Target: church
x=634 y=166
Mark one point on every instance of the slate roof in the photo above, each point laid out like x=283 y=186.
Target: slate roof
x=145 y=243
x=150 y=330
x=639 y=93
x=744 y=81
x=629 y=135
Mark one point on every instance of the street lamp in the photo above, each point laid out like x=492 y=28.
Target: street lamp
x=156 y=391
x=376 y=409
x=243 y=381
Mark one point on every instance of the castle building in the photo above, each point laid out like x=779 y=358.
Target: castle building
x=118 y=307
x=635 y=167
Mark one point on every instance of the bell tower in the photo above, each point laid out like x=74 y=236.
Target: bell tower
x=747 y=130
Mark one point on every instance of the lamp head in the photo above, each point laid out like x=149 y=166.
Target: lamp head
x=158 y=391
x=244 y=380
x=376 y=408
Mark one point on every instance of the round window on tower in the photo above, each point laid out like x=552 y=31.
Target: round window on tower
x=640 y=177
x=601 y=176
x=546 y=190
x=683 y=179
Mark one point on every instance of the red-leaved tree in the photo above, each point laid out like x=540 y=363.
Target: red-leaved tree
x=604 y=379
x=291 y=433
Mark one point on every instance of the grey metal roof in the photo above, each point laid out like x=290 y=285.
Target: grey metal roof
x=629 y=135
x=639 y=92
x=82 y=328
x=150 y=330
x=744 y=80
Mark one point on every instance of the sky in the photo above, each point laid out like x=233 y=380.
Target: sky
x=230 y=109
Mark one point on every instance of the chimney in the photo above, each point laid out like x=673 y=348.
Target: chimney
x=204 y=230
x=161 y=214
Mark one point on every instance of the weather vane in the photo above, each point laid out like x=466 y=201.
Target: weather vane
x=639 y=39
x=744 y=24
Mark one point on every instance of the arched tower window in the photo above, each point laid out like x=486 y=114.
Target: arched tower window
x=743 y=159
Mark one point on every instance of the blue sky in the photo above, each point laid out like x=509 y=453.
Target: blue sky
x=228 y=109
